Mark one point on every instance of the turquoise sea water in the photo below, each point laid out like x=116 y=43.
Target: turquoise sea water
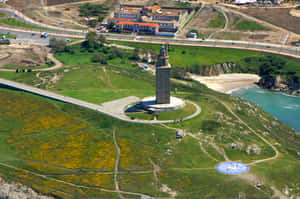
x=284 y=107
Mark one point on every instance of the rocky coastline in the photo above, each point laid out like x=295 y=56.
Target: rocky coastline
x=280 y=84
x=12 y=190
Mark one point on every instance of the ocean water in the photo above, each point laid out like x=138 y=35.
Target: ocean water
x=285 y=108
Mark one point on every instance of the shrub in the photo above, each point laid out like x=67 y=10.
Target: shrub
x=57 y=45
x=88 y=9
x=4 y=42
x=99 y=58
x=93 y=23
x=210 y=125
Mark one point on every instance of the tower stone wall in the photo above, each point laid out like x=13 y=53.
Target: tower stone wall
x=163 y=73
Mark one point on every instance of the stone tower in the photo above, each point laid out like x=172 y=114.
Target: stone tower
x=163 y=72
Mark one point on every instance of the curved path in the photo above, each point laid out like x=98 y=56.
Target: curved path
x=50 y=56
x=257 y=134
x=88 y=105
x=226 y=23
x=117 y=187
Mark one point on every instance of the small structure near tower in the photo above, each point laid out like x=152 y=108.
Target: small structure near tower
x=163 y=72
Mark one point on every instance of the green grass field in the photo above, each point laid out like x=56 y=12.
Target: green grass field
x=2 y=14
x=217 y=22
x=65 y=132
x=249 y=26
x=187 y=56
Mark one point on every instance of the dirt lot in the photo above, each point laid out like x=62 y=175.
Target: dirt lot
x=23 y=56
x=66 y=13
x=56 y=2
x=277 y=16
x=259 y=36
x=21 y=4
x=200 y=22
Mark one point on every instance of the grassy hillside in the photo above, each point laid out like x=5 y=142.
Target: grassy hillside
x=55 y=147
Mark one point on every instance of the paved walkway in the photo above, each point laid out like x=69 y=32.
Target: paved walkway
x=100 y=108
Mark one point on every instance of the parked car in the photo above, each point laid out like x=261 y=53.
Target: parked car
x=44 y=35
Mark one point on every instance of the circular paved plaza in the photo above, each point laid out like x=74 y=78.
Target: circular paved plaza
x=175 y=103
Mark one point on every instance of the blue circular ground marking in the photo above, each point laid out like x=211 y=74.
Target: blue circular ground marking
x=232 y=168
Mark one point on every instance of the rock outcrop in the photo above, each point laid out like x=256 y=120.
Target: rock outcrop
x=217 y=69
x=280 y=83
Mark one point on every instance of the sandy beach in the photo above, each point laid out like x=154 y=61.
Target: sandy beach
x=226 y=83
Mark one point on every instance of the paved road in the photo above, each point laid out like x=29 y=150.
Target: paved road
x=255 y=46
x=26 y=36
x=88 y=105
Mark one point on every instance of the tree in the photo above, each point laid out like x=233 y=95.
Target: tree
x=93 y=41
x=90 y=40
x=116 y=53
x=4 y=42
x=88 y=9
x=101 y=39
x=92 y=23
x=91 y=36
x=99 y=58
x=135 y=55
x=100 y=18
x=57 y=45
x=110 y=25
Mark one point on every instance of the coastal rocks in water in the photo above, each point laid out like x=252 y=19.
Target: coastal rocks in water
x=281 y=84
x=18 y=191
